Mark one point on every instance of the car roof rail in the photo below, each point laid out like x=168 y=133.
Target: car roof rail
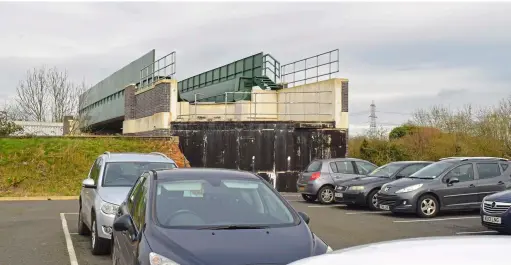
x=160 y=154
x=474 y=157
x=107 y=153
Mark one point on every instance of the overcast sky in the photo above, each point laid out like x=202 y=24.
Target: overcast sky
x=403 y=56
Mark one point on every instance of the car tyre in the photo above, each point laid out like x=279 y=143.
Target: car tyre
x=99 y=246
x=372 y=202
x=326 y=195
x=427 y=206
x=82 y=228
x=309 y=198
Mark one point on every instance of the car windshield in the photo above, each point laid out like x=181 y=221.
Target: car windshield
x=212 y=203
x=385 y=171
x=433 y=170
x=125 y=174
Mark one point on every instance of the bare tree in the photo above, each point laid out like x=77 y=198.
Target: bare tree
x=12 y=112
x=81 y=115
x=32 y=97
x=48 y=95
x=62 y=94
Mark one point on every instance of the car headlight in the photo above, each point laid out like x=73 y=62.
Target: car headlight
x=410 y=188
x=357 y=188
x=156 y=259
x=329 y=249
x=109 y=208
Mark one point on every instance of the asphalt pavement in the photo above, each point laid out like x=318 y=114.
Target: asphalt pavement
x=44 y=232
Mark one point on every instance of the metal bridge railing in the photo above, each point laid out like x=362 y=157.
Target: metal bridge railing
x=252 y=114
x=163 y=68
x=314 y=67
x=271 y=68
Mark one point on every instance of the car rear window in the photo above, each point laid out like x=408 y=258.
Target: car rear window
x=125 y=174
x=315 y=166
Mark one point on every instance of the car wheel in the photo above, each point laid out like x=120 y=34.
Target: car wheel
x=82 y=228
x=372 y=201
x=427 y=206
x=99 y=246
x=309 y=198
x=326 y=195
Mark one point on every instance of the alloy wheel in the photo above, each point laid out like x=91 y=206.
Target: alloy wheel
x=428 y=206
x=327 y=195
x=374 y=201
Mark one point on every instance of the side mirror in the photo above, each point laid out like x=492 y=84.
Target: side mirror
x=453 y=180
x=123 y=223
x=88 y=184
x=305 y=217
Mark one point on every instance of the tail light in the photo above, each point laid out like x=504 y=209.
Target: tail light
x=315 y=175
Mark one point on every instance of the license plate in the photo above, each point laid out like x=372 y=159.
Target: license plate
x=385 y=207
x=338 y=195
x=301 y=188
x=492 y=219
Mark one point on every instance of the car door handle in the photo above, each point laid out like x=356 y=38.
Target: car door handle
x=471 y=186
x=500 y=183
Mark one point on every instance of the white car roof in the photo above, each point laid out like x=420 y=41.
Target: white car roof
x=453 y=250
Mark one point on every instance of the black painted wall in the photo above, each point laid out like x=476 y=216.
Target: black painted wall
x=263 y=147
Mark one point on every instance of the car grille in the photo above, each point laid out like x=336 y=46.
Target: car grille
x=384 y=199
x=495 y=207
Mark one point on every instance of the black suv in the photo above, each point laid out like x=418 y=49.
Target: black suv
x=453 y=183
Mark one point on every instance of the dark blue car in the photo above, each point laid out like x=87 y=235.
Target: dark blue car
x=209 y=217
x=496 y=212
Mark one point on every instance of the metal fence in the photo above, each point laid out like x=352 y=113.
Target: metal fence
x=254 y=104
x=312 y=68
x=163 y=68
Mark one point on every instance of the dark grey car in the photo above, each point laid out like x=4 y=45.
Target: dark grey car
x=362 y=190
x=321 y=176
x=455 y=183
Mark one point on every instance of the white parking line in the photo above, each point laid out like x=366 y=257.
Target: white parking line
x=366 y=212
x=478 y=232
x=69 y=243
x=436 y=219
x=326 y=206
x=291 y=195
x=295 y=200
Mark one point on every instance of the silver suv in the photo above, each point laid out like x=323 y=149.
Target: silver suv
x=110 y=178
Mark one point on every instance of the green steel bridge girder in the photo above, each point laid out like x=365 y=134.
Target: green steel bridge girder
x=239 y=76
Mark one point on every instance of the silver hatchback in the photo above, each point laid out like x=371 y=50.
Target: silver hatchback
x=319 y=179
x=110 y=179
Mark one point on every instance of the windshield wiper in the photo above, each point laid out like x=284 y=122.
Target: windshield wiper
x=233 y=227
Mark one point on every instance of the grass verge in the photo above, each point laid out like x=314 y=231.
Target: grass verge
x=57 y=166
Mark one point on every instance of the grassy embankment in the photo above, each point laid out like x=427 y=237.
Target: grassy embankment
x=57 y=166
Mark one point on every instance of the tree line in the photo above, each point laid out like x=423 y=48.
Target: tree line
x=440 y=132
x=43 y=95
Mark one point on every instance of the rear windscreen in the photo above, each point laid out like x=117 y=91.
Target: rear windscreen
x=314 y=167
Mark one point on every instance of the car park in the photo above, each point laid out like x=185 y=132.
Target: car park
x=496 y=212
x=110 y=178
x=319 y=179
x=454 y=183
x=209 y=216
x=467 y=250
x=363 y=190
